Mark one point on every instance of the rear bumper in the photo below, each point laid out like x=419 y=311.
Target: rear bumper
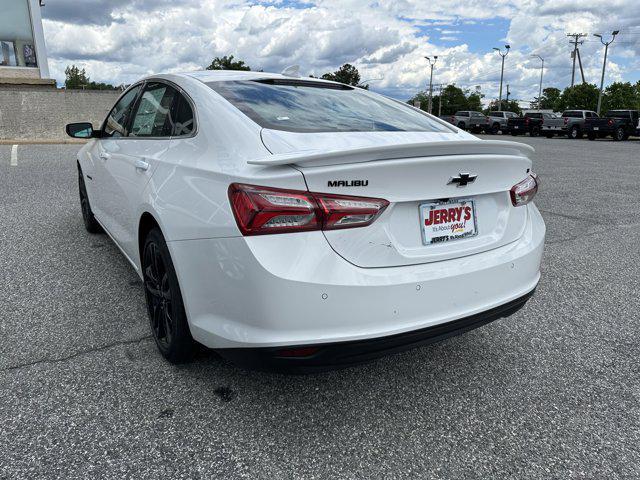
x=293 y=289
x=332 y=356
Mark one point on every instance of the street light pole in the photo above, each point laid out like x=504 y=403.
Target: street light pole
x=541 y=74
x=431 y=64
x=604 y=64
x=502 y=71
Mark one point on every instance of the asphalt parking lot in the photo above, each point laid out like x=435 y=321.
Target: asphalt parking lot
x=552 y=392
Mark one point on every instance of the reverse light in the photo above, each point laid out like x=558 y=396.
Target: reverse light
x=264 y=210
x=524 y=191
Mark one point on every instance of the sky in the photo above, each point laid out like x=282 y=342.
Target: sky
x=119 y=41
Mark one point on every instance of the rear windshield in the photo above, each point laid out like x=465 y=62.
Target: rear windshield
x=307 y=106
x=533 y=115
x=572 y=114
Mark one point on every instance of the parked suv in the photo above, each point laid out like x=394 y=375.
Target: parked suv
x=498 y=121
x=469 y=120
x=619 y=124
x=574 y=122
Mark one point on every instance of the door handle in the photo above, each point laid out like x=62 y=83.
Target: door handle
x=104 y=156
x=141 y=165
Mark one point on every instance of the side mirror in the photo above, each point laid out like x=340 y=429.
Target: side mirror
x=81 y=130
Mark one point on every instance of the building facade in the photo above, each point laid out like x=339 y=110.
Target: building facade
x=23 y=54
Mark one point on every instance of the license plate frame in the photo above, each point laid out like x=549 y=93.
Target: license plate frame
x=425 y=207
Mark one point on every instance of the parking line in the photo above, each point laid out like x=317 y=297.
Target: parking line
x=14 y=156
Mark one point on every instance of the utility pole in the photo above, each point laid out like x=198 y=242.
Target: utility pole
x=431 y=64
x=440 y=102
x=580 y=63
x=508 y=93
x=604 y=64
x=575 y=42
x=541 y=74
x=502 y=71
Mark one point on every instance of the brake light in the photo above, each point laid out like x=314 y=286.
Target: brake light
x=526 y=121
x=610 y=122
x=566 y=120
x=524 y=191
x=264 y=210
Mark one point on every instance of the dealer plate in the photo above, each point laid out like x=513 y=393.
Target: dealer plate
x=447 y=221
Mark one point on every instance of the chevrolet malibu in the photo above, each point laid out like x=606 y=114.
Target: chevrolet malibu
x=302 y=224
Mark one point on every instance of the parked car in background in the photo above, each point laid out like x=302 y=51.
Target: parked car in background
x=498 y=121
x=535 y=124
x=324 y=225
x=618 y=124
x=474 y=122
x=574 y=122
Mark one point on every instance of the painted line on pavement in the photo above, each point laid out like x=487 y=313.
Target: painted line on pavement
x=14 y=156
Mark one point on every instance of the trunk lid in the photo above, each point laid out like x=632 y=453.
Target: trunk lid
x=409 y=170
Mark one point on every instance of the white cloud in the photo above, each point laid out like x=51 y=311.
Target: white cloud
x=120 y=41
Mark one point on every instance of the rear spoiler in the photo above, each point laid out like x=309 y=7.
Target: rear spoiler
x=313 y=158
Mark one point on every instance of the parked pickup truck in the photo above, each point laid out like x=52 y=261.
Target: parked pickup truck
x=536 y=124
x=498 y=121
x=574 y=122
x=468 y=120
x=619 y=124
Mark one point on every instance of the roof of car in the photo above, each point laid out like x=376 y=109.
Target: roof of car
x=206 y=76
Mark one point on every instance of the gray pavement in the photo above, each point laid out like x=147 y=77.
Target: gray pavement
x=552 y=392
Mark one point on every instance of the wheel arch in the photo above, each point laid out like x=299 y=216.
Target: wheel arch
x=146 y=223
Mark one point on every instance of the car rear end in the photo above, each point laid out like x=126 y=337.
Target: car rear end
x=397 y=239
x=518 y=125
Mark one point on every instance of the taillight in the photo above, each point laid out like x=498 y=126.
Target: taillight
x=566 y=120
x=610 y=122
x=526 y=121
x=264 y=210
x=524 y=191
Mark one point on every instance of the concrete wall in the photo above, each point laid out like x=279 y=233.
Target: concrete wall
x=41 y=114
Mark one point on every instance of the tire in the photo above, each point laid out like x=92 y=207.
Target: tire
x=167 y=317
x=548 y=135
x=535 y=132
x=619 y=134
x=514 y=134
x=462 y=126
x=591 y=136
x=90 y=222
x=495 y=128
x=574 y=133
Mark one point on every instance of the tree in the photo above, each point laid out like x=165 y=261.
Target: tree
x=583 y=96
x=510 y=106
x=550 y=98
x=227 y=63
x=347 y=74
x=474 y=101
x=77 y=79
x=619 y=96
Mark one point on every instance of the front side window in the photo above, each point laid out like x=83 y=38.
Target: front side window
x=309 y=106
x=153 y=116
x=17 y=48
x=116 y=123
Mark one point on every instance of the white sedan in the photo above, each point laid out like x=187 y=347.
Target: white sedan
x=302 y=224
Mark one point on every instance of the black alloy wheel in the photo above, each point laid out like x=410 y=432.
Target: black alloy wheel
x=167 y=316
x=535 y=132
x=495 y=128
x=620 y=134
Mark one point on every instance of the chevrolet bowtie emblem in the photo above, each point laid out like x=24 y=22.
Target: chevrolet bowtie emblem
x=462 y=179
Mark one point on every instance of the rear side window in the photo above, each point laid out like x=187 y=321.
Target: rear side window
x=116 y=122
x=183 y=118
x=462 y=114
x=309 y=106
x=153 y=114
